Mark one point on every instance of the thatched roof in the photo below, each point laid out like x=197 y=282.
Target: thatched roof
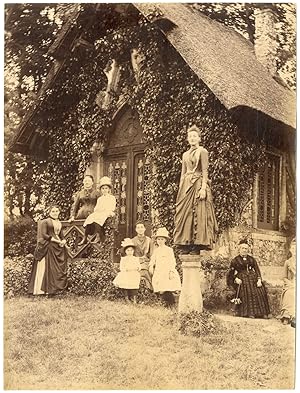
x=224 y=61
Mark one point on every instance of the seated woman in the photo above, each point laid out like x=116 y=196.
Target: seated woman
x=143 y=250
x=85 y=200
x=49 y=269
x=244 y=276
x=287 y=312
x=105 y=207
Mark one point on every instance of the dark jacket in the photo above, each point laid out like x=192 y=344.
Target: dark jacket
x=45 y=232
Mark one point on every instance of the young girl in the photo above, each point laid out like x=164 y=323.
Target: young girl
x=165 y=278
x=129 y=276
x=105 y=207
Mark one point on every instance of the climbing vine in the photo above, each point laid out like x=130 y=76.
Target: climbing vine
x=168 y=97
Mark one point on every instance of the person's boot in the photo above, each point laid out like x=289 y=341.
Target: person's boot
x=83 y=241
x=97 y=238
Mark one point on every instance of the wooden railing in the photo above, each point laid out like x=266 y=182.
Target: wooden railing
x=74 y=232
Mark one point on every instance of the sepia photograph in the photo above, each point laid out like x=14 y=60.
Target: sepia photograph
x=149 y=196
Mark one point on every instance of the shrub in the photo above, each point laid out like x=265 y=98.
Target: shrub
x=16 y=275
x=20 y=236
x=199 y=324
x=89 y=277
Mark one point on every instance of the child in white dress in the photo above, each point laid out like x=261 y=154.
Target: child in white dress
x=105 y=207
x=162 y=266
x=129 y=276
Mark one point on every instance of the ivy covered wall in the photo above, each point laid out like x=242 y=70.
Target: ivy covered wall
x=168 y=97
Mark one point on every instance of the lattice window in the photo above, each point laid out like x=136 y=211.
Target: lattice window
x=268 y=193
x=117 y=171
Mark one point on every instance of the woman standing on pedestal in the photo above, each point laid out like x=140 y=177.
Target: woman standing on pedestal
x=195 y=221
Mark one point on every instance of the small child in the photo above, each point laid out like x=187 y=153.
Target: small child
x=129 y=276
x=162 y=266
x=105 y=207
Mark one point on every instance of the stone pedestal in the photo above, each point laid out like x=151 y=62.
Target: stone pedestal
x=191 y=297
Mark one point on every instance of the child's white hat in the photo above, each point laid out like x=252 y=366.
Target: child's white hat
x=105 y=181
x=162 y=232
x=127 y=242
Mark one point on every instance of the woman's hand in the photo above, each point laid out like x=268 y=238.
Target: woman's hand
x=259 y=283
x=63 y=242
x=202 y=194
x=238 y=281
x=71 y=219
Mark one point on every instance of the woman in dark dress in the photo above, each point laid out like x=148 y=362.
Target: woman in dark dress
x=85 y=200
x=49 y=269
x=244 y=276
x=195 y=222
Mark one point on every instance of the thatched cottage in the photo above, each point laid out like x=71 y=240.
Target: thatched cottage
x=239 y=78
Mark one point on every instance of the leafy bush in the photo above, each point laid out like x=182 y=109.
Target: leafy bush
x=16 y=275
x=20 y=236
x=199 y=324
x=89 y=276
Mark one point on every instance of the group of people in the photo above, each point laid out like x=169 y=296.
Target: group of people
x=158 y=271
x=195 y=229
x=49 y=270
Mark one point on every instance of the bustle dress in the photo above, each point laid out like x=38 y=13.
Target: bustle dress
x=49 y=269
x=195 y=221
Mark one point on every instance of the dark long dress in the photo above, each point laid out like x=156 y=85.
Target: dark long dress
x=195 y=221
x=84 y=203
x=142 y=250
x=254 y=299
x=52 y=276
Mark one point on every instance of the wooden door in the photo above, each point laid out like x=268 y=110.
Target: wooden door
x=130 y=173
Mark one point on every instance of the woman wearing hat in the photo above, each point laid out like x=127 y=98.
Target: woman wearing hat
x=244 y=276
x=162 y=266
x=105 y=207
x=129 y=276
x=195 y=222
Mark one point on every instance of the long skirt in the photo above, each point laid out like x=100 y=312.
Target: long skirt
x=254 y=299
x=127 y=280
x=287 y=309
x=49 y=274
x=163 y=281
x=195 y=220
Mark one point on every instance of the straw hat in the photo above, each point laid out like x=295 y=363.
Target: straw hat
x=162 y=232
x=127 y=242
x=105 y=181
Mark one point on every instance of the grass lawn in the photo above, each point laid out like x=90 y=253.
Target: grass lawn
x=86 y=343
